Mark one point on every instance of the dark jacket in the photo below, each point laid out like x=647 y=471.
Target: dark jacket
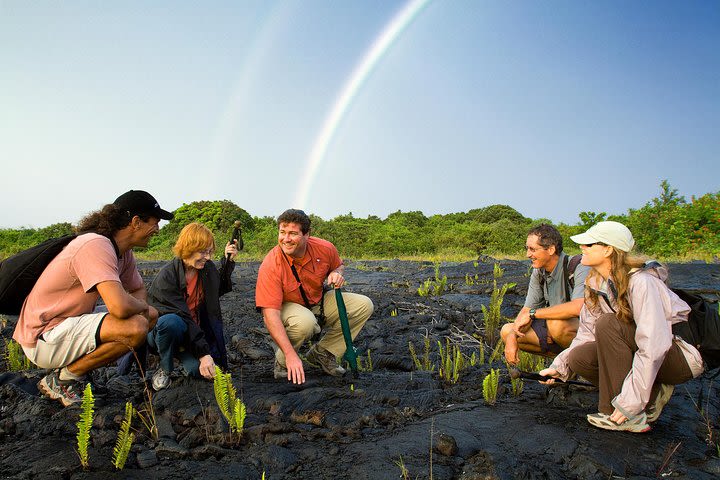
x=166 y=294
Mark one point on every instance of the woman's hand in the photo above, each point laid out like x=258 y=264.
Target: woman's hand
x=231 y=249
x=549 y=372
x=207 y=367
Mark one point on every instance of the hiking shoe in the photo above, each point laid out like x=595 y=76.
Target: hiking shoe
x=320 y=357
x=160 y=380
x=602 y=420
x=279 y=371
x=69 y=392
x=663 y=397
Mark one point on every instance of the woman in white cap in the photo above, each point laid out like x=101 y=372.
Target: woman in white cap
x=625 y=343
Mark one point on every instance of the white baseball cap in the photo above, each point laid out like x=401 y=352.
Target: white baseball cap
x=610 y=233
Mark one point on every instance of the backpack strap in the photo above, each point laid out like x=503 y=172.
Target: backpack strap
x=570 y=268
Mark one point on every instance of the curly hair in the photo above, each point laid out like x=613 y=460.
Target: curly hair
x=107 y=221
x=194 y=237
x=295 y=216
x=621 y=265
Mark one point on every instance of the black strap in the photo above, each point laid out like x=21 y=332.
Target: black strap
x=302 y=290
x=566 y=281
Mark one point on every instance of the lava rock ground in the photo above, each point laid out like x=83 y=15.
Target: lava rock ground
x=365 y=427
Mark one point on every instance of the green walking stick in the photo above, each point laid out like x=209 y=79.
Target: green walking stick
x=350 y=352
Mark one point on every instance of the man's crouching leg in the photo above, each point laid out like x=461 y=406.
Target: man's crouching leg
x=81 y=344
x=117 y=336
x=300 y=325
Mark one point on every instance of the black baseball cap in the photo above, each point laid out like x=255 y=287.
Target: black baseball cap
x=138 y=202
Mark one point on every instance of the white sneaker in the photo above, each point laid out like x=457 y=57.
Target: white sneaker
x=637 y=425
x=160 y=380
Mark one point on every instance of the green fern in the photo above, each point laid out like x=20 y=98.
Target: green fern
x=125 y=438
x=365 y=364
x=497 y=351
x=238 y=418
x=425 y=364
x=232 y=408
x=490 y=386
x=452 y=361
x=15 y=357
x=220 y=386
x=84 y=425
x=517 y=386
x=492 y=314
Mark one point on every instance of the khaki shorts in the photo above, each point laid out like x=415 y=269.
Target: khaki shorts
x=66 y=342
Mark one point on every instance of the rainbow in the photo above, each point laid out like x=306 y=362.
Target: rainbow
x=355 y=81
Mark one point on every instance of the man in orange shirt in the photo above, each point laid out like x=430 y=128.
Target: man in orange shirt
x=289 y=292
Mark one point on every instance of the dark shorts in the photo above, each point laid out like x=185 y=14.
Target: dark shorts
x=539 y=326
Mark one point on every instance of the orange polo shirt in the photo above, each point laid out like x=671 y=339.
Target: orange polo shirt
x=277 y=284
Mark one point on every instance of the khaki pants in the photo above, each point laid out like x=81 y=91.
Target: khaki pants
x=608 y=360
x=301 y=324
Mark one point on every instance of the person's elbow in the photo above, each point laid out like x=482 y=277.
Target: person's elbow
x=122 y=309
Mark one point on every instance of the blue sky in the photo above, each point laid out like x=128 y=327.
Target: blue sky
x=552 y=107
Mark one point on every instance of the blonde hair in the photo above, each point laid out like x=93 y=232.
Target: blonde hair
x=194 y=237
x=620 y=265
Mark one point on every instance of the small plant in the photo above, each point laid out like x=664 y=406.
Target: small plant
x=492 y=314
x=497 y=351
x=365 y=364
x=452 y=362
x=471 y=280
x=423 y=364
x=147 y=413
x=15 y=357
x=232 y=408
x=84 y=425
x=404 y=473
x=125 y=438
x=490 y=386
x=710 y=437
x=517 y=386
x=529 y=362
x=434 y=287
x=481 y=356
x=475 y=264
x=393 y=312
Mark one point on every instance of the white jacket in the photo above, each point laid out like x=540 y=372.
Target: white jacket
x=655 y=309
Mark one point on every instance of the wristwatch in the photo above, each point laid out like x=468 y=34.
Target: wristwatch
x=532 y=313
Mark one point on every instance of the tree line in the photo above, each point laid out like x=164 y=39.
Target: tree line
x=666 y=227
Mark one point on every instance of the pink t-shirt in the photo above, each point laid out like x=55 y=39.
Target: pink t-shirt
x=67 y=286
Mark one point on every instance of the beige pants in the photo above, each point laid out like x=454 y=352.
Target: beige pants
x=67 y=341
x=301 y=324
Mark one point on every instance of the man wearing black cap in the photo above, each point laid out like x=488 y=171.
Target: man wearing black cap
x=58 y=327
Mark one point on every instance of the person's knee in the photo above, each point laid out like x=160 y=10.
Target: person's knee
x=363 y=307
x=301 y=326
x=505 y=330
x=604 y=325
x=171 y=325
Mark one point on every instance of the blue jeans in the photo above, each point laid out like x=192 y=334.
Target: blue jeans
x=168 y=338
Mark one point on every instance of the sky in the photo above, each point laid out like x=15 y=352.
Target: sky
x=358 y=106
